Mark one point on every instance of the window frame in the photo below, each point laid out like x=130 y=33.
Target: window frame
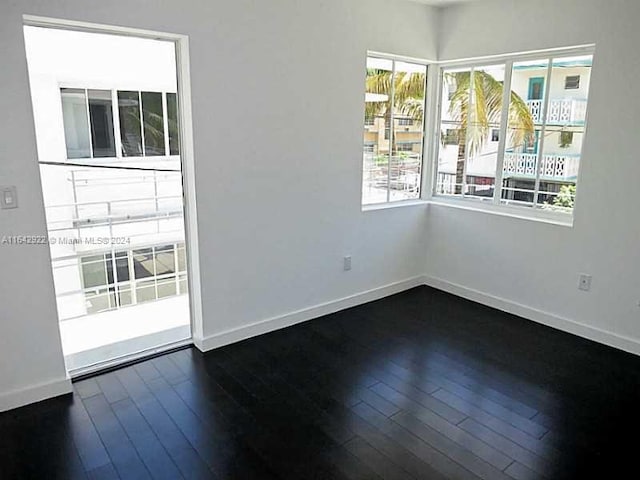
x=132 y=283
x=86 y=87
x=566 y=82
x=432 y=137
x=429 y=107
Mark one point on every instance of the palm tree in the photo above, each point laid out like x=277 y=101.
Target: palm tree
x=484 y=111
x=408 y=93
x=476 y=107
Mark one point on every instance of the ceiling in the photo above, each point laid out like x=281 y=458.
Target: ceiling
x=441 y=3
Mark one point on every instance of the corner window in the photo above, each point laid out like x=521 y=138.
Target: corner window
x=519 y=129
x=393 y=130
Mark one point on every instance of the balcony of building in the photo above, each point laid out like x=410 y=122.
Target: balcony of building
x=553 y=166
x=119 y=263
x=564 y=111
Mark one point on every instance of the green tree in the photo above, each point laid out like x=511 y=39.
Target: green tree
x=474 y=117
x=476 y=104
x=565 y=197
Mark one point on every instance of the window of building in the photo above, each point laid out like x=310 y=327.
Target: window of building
x=369 y=121
x=404 y=147
x=521 y=105
x=114 y=280
x=566 y=139
x=76 y=122
x=572 y=82
x=451 y=136
x=145 y=121
x=394 y=90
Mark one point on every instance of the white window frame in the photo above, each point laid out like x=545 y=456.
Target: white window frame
x=429 y=107
x=115 y=111
x=431 y=139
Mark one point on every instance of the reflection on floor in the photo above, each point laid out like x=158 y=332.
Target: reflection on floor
x=418 y=385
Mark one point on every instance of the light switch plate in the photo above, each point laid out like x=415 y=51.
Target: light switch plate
x=8 y=197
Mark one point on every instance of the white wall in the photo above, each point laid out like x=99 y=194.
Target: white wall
x=535 y=264
x=277 y=89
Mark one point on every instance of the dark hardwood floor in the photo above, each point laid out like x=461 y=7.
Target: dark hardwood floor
x=420 y=385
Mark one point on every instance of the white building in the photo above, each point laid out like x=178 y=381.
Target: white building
x=555 y=145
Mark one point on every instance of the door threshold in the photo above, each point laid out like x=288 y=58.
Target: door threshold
x=82 y=373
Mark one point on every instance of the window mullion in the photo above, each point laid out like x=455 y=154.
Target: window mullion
x=115 y=111
x=504 y=121
x=545 y=115
x=143 y=146
x=436 y=131
x=391 y=132
x=470 y=108
x=86 y=103
x=165 y=122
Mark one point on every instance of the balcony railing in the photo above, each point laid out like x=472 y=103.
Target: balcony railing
x=570 y=111
x=553 y=167
x=402 y=173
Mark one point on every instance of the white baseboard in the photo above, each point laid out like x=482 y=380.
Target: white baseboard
x=621 y=342
x=34 y=393
x=275 y=323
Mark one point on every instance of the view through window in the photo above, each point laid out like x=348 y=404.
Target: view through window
x=526 y=154
x=393 y=130
x=106 y=117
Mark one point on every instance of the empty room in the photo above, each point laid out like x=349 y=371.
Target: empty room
x=319 y=239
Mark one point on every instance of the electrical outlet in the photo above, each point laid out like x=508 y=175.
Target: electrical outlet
x=8 y=197
x=584 y=282
x=347 y=262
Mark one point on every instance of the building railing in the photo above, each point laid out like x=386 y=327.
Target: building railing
x=399 y=172
x=569 y=111
x=554 y=167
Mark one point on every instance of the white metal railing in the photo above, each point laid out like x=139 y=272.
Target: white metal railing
x=401 y=173
x=561 y=111
x=558 y=167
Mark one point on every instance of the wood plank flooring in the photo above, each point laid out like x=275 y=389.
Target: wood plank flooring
x=419 y=385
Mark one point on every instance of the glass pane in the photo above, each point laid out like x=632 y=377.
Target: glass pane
x=109 y=264
x=143 y=263
x=122 y=266
x=564 y=132
x=76 y=123
x=167 y=287
x=453 y=131
x=165 y=260
x=182 y=283
x=124 y=295
x=524 y=129
x=182 y=263
x=97 y=301
x=145 y=291
x=153 y=124
x=130 y=125
x=94 y=273
x=406 y=159
x=376 y=130
x=101 y=114
x=484 y=116
x=172 y=121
